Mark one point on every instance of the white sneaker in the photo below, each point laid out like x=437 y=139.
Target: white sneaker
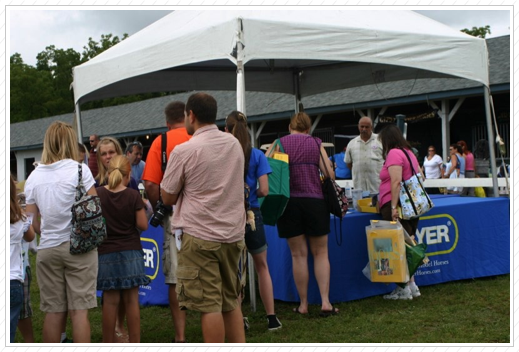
x=400 y=293
x=415 y=291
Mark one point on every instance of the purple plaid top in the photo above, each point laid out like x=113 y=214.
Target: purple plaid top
x=303 y=156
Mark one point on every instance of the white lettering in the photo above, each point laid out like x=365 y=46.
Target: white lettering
x=433 y=234
x=148 y=258
x=443 y=232
x=420 y=234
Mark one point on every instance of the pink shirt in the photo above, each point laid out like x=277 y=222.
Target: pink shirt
x=207 y=175
x=469 y=162
x=393 y=158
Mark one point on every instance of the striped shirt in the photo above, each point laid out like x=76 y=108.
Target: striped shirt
x=207 y=175
x=367 y=161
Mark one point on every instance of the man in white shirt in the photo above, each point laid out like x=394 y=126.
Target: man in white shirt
x=364 y=157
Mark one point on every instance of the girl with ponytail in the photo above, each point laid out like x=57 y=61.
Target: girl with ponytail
x=121 y=268
x=257 y=169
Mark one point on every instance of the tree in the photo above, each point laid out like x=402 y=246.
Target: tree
x=93 y=48
x=480 y=32
x=59 y=63
x=30 y=91
x=44 y=90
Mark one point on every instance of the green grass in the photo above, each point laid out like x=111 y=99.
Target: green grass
x=468 y=311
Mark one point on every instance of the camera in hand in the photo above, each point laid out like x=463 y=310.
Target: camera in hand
x=158 y=216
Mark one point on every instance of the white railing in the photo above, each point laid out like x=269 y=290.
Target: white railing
x=447 y=182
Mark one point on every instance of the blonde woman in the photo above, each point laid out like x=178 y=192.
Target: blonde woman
x=67 y=282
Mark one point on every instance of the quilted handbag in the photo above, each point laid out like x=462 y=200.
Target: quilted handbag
x=88 y=224
x=414 y=200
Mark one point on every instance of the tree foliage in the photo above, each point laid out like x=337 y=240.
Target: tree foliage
x=44 y=90
x=93 y=48
x=480 y=32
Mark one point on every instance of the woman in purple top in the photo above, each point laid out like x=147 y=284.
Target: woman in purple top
x=306 y=217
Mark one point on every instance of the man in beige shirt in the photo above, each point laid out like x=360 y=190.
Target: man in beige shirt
x=204 y=178
x=364 y=157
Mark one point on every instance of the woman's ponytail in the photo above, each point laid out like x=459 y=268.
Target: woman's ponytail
x=118 y=169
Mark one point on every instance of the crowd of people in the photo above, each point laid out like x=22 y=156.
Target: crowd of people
x=194 y=178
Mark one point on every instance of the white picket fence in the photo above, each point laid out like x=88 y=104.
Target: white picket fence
x=446 y=182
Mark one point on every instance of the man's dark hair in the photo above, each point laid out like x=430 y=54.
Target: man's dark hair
x=203 y=106
x=174 y=112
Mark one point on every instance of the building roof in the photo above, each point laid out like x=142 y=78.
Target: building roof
x=147 y=116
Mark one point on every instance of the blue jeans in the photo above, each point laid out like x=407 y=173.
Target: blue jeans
x=16 y=305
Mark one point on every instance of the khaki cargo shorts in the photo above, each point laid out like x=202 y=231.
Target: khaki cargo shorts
x=66 y=281
x=208 y=279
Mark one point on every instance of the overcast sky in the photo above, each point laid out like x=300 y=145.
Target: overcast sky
x=30 y=31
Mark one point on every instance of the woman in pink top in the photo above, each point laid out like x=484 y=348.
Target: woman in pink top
x=396 y=168
x=469 y=168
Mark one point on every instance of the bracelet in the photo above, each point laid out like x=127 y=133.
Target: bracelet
x=393 y=208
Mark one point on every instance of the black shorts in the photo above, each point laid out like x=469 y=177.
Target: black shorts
x=304 y=216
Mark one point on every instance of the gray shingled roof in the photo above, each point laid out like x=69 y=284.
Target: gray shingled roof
x=147 y=116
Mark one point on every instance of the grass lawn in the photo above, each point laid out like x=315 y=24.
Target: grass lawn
x=468 y=311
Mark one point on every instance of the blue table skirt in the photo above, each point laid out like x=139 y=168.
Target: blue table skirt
x=466 y=238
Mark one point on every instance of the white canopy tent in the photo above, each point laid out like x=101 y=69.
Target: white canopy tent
x=302 y=52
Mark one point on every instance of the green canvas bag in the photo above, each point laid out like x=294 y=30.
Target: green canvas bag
x=273 y=205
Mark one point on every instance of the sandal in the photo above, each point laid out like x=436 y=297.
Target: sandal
x=296 y=310
x=122 y=337
x=327 y=313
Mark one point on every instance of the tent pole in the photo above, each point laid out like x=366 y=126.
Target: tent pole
x=240 y=72
x=240 y=106
x=446 y=130
x=491 y=140
x=78 y=124
x=240 y=87
x=297 y=93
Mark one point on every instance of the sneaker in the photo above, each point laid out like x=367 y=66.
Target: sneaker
x=67 y=340
x=415 y=291
x=246 y=325
x=274 y=322
x=400 y=293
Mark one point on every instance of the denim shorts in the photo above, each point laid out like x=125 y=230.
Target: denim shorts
x=121 y=270
x=16 y=305
x=256 y=241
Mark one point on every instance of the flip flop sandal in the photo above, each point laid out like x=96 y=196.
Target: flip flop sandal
x=327 y=313
x=296 y=310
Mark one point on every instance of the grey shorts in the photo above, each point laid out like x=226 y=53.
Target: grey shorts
x=169 y=254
